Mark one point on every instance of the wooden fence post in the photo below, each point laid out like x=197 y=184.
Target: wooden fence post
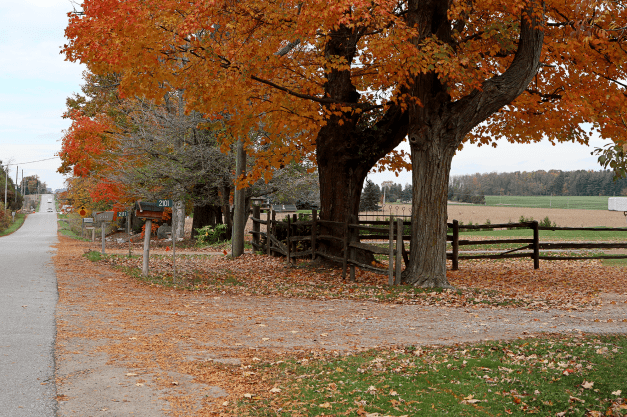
x=391 y=253
x=399 y=249
x=455 y=245
x=314 y=232
x=345 y=259
x=272 y=231
x=256 y=227
x=536 y=245
x=351 y=251
x=268 y=231
x=289 y=235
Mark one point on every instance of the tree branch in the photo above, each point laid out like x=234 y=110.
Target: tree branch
x=503 y=89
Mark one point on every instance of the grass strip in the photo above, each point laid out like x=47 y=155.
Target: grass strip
x=19 y=221
x=66 y=230
x=578 y=376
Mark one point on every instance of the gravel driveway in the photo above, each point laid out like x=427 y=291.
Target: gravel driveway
x=125 y=347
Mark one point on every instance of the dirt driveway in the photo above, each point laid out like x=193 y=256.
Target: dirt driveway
x=129 y=349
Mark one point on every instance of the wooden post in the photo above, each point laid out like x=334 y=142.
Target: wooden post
x=256 y=226
x=536 y=245
x=351 y=251
x=268 y=231
x=391 y=253
x=288 y=241
x=272 y=232
x=314 y=232
x=399 y=249
x=345 y=260
x=147 y=231
x=455 y=245
x=128 y=231
x=174 y=234
x=103 y=231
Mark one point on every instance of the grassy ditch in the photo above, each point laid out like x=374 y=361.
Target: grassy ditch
x=582 y=376
x=19 y=221
x=67 y=227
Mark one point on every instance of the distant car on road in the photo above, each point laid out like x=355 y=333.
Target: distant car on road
x=50 y=210
x=50 y=200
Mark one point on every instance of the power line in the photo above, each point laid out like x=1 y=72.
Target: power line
x=32 y=162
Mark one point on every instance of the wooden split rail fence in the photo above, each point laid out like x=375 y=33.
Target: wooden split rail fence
x=293 y=238
x=533 y=246
x=352 y=241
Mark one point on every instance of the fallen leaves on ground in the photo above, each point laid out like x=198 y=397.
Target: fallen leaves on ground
x=573 y=285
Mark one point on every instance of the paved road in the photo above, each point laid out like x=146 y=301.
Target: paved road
x=28 y=296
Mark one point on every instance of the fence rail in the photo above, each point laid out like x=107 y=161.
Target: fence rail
x=294 y=238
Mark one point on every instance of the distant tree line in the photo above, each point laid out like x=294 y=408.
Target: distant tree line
x=396 y=193
x=473 y=188
x=373 y=194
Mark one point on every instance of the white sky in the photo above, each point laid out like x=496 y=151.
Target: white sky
x=35 y=81
x=508 y=157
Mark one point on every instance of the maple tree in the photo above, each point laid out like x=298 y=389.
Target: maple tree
x=346 y=82
x=125 y=149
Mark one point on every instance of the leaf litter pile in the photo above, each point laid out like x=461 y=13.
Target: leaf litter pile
x=185 y=347
x=573 y=285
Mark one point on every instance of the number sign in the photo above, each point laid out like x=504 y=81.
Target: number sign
x=122 y=213
x=165 y=203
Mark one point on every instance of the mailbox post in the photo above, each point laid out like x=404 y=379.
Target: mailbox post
x=88 y=223
x=102 y=218
x=149 y=212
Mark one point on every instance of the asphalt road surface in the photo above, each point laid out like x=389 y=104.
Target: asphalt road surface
x=28 y=296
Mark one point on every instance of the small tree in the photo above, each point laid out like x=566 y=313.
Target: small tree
x=370 y=197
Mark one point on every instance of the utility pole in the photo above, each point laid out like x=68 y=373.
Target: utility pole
x=239 y=217
x=15 y=185
x=6 y=181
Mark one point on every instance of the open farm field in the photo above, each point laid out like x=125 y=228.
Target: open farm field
x=560 y=202
x=478 y=214
x=561 y=217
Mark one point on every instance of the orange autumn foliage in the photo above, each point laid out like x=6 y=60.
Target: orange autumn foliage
x=234 y=63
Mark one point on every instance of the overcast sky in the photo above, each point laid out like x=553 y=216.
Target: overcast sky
x=35 y=81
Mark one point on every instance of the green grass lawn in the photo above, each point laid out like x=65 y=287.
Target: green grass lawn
x=19 y=221
x=562 y=202
x=580 y=376
x=546 y=235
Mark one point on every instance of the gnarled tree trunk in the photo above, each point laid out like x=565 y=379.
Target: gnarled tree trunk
x=431 y=165
x=437 y=126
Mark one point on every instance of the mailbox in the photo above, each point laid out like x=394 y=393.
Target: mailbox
x=152 y=211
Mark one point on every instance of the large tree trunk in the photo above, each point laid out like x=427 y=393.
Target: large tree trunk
x=437 y=126
x=431 y=165
x=341 y=183
x=346 y=150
